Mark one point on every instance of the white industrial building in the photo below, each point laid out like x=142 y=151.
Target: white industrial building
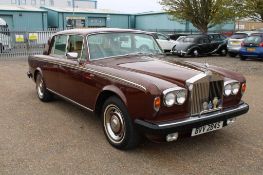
x=53 y=3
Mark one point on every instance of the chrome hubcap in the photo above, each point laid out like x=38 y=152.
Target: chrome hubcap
x=40 y=88
x=196 y=52
x=114 y=124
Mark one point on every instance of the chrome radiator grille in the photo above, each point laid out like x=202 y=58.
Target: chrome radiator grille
x=205 y=91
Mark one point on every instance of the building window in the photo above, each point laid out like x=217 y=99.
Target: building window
x=23 y=2
x=42 y=2
x=51 y=2
x=33 y=2
x=13 y=1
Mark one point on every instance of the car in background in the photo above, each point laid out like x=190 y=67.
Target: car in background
x=252 y=47
x=196 y=45
x=164 y=41
x=234 y=42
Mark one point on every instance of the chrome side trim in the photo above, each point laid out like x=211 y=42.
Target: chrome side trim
x=207 y=116
x=72 y=101
x=93 y=71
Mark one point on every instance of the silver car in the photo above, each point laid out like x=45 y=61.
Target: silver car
x=235 y=41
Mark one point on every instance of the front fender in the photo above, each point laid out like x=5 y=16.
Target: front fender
x=116 y=91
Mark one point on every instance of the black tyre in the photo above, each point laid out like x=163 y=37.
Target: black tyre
x=223 y=52
x=118 y=126
x=195 y=53
x=42 y=92
x=232 y=54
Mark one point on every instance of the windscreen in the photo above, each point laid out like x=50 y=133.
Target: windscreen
x=107 y=45
x=239 y=36
x=253 y=39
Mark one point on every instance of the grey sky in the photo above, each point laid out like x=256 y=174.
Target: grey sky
x=130 y=6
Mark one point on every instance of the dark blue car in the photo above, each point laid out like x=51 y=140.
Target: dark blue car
x=252 y=47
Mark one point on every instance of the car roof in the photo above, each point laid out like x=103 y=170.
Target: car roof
x=86 y=31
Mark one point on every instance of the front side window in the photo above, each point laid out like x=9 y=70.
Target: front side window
x=117 y=44
x=59 y=46
x=75 y=44
x=13 y=1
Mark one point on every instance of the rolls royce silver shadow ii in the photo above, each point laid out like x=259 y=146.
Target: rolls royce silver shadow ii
x=136 y=91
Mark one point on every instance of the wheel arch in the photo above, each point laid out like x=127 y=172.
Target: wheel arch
x=38 y=70
x=107 y=92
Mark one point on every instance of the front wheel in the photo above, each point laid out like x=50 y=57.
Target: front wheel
x=195 y=53
x=117 y=125
x=42 y=92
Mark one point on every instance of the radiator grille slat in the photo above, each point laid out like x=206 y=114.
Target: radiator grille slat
x=205 y=91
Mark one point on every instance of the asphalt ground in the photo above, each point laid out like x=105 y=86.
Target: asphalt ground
x=60 y=138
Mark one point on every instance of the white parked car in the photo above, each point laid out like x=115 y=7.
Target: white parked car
x=164 y=41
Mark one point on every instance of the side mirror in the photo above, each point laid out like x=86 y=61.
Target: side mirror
x=72 y=55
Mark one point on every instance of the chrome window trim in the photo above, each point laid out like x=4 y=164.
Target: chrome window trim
x=66 y=98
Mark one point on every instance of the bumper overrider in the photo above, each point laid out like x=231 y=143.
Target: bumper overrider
x=188 y=124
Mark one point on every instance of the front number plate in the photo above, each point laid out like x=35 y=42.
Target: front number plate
x=207 y=128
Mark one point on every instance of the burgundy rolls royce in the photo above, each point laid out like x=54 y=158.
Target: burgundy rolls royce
x=134 y=90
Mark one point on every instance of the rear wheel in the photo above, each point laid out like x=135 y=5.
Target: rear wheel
x=223 y=52
x=42 y=92
x=117 y=125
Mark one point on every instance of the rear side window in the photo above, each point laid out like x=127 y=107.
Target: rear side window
x=239 y=36
x=59 y=46
x=75 y=44
x=253 y=39
x=188 y=39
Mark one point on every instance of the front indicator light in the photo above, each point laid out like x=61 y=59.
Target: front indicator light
x=157 y=103
x=243 y=88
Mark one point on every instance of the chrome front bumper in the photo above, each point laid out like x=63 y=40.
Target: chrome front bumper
x=188 y=124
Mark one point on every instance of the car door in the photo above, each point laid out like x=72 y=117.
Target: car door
x=50 y=68
x=204 y=45
x=72 y=84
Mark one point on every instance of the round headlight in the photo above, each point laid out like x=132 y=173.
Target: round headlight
x=235 y=88
x=169 y=99
x=228 y=89
x=180 y=97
